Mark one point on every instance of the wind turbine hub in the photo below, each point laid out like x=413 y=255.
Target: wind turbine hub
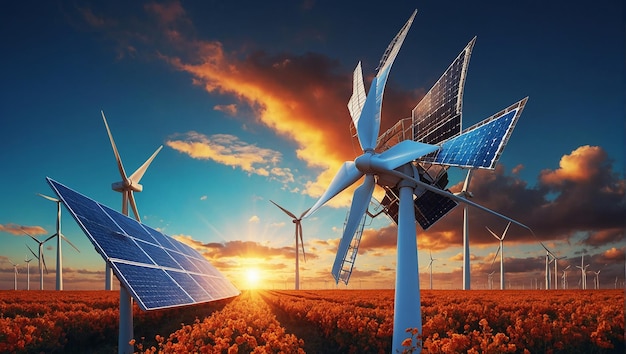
x=364 y=162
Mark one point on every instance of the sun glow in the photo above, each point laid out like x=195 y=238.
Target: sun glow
x=253 y=277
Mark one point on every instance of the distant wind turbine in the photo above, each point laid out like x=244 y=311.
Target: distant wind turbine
x=583 y=270
x=564 y=277
x=466 y=251
x=556 y=270
x=296 y=220
x=59 y=236
x=490 y=279
x=14 y=274
x=39 y=256
x=501 y=250
x=597 y=279
x=27 y=260
x=430 y=265
x=127 y=186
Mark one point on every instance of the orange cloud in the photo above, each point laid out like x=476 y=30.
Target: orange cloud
x=230 y=109
x=15 y=229
x=583 y=164
x=230 y=151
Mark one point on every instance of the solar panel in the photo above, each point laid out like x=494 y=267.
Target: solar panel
x=157 y=270
x=481 y=145
x=437 y=116
x=430 y=207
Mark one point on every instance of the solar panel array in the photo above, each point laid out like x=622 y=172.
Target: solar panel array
x=157 y=270
x=437 y=116
x=481 y=145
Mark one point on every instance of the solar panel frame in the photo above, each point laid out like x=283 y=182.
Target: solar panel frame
x=146 y=261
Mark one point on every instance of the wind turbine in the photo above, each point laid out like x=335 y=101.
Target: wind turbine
x=501 y=250
x=27 y=260
x=596 y=282
x=297 y=221
x=490 y=279
x=127 y=186
x=392 y=168
x=466 y=251
x=14 y=274
x=583 y=270
x=59 y=236
x=564 y=277
x=430 y=265
x=39 y=256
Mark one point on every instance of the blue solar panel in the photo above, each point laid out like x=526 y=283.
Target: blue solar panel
x=157 y=270
x=481 y=145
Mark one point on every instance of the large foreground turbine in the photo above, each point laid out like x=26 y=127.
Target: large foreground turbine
x=392 y=168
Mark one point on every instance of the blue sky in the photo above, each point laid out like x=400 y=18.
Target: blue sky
x=248 y=100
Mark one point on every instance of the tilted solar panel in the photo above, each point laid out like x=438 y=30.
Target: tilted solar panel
x=437 y=116
x=480 y=145
x=157 y=270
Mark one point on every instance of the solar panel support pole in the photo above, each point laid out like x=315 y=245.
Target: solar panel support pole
x=108 y=277
x=407 y=304
x=126 y=322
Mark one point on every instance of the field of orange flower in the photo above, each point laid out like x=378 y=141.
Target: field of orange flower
x=328 y=321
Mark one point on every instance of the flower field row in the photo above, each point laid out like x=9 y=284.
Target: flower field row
x=329 y=321
x=467 y=321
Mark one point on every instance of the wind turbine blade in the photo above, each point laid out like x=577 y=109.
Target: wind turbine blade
x=360 y=202
x=47 y=197
x=31 y=236
x=357 y=100
x=368 y=123
x=466 y=183
x=117 y=155
x=456 y=198
x=402 y=153
x=345 y=177
x=133 y=204
x=304 y=213
x=136 y=176
x=49 y=238
x=506 y=229
x=68 y=241
x=493 y=233
x=285 y=210
x=496 y=256
x=301 y=241
x=31 y=251
x=43 y=259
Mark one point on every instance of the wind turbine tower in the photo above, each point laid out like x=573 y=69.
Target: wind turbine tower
x=501 y=250
x=14 y=274
x=127 y=186
x=298 y=222
x=27 y=260
x=556 y=271
x=466 y=248
x=59 y=236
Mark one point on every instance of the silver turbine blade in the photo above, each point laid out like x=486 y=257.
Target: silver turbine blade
x=357 y=100
x=136 y=176
x=68 y=241
x=120 y=166
x=402 y=153
x=284 y=210
x=345 y=177
x=301 y=240
x=49 y=198
x=133 y=204
x=493 y=233
x=31 y=251
x=360 y=202
x=496 y=256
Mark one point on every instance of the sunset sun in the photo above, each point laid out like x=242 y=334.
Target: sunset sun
x=253 y=277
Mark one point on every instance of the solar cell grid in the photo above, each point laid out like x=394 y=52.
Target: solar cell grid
x=147 y=263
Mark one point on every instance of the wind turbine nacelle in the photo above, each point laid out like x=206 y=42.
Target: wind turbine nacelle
x=126 y=185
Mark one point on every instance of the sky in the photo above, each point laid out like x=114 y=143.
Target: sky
x=248 y=100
